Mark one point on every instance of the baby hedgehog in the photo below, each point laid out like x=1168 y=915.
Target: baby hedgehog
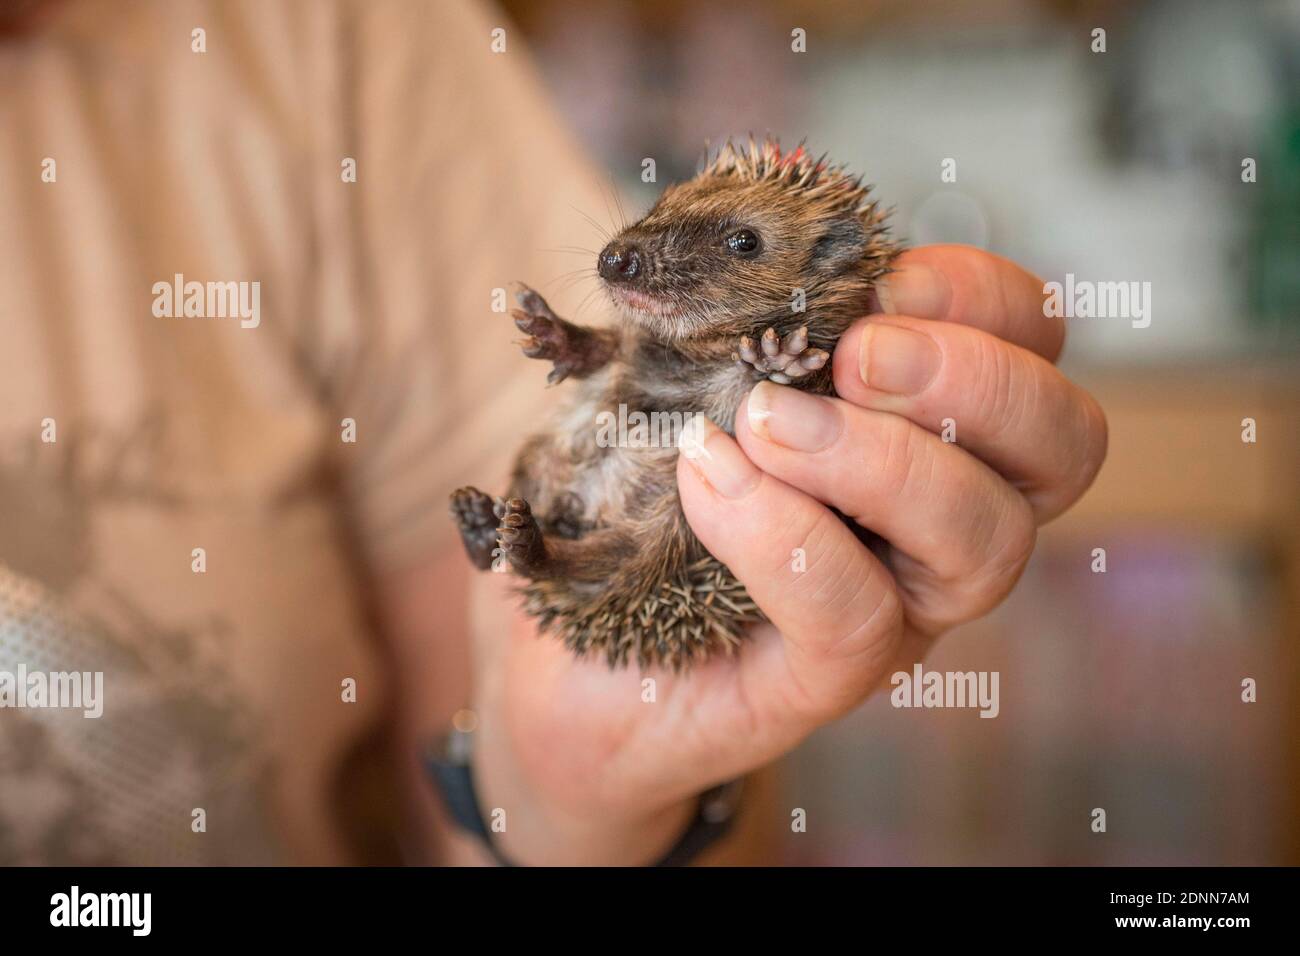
x=751 y=270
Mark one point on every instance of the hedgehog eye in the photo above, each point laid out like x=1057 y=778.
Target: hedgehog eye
x=743 y=242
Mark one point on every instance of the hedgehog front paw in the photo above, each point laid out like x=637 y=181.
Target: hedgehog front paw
x=781 y=360
x=548 y=334
x=518 y=536
x=572 y=349
x=477 y=521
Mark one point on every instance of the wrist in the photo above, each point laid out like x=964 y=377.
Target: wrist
x=530 y=828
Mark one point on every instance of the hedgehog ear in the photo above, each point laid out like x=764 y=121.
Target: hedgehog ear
x=841 y=248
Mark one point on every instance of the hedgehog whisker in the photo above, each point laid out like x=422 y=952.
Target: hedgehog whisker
x=574 y=250
x=605 y=233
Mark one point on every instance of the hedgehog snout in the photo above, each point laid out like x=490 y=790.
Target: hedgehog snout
x=619 y=262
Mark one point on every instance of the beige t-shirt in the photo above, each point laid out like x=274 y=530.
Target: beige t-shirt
x=133 y=434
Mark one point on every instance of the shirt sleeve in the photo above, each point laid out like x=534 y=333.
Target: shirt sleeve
x=465 y=182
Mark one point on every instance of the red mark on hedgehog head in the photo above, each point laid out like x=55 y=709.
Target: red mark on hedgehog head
x=795 y=158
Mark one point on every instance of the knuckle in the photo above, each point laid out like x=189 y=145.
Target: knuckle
x=873 y=613
x=908 y=461
x=996 y=538
x=866 y=647
x=1097 y=437
x=814 y=535
x=998 y=404
x=1016 y=538
x=850 y=625
x=983 y=577
x=837 y=583
x=1088 y=439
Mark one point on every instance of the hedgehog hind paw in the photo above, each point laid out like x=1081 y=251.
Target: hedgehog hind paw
x=472 y=510
x=519 y=537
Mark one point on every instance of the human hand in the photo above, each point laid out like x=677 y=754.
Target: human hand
x=596 y=774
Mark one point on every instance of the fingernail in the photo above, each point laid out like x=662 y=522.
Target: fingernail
x=792 y=418
x=915 y=290
x=898 y=360
x=717 y=458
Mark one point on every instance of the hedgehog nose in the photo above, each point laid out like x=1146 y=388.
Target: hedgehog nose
x=619 y=262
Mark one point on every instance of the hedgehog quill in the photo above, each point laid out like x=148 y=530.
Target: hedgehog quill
x=708 y=285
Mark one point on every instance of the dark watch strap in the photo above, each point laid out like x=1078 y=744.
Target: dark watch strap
x=448 y=764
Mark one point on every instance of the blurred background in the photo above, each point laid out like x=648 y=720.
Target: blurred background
x=1120 y=689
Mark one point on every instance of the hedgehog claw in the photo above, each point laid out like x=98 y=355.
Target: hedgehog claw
x=518 y=536
x=571 y=349
x=813 y=359
x=781 y=360
x=546 y=336
x=796 y=341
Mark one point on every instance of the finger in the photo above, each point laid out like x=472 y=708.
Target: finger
x=968 y=286
x=1008 y=406
x=834 y=603
x=966 y=532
